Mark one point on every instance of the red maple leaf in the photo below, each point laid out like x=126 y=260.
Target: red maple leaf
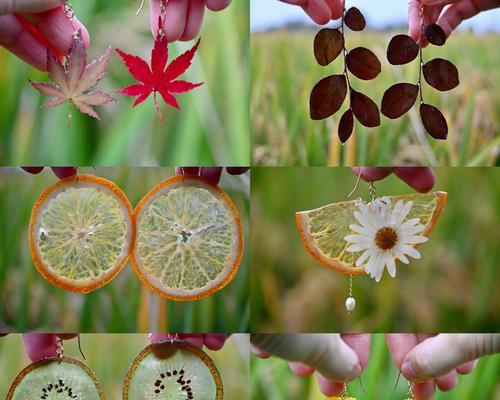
x=160 y=78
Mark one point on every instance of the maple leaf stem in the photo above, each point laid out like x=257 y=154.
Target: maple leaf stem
x=70 y=114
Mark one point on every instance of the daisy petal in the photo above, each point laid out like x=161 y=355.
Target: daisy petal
x=360 y=261
x=415 y=239
x=391 y=265
x=357 y=247
x=405 y=211
x=407 y=249
x=401 y=257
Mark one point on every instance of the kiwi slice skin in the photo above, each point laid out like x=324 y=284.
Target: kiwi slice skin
x=167 y=378
x=59 y=384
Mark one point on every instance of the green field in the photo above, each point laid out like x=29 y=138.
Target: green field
x=110 y=356
x=212 y=129
x=28 y=302
x=272 y=379
x=284 y=70
x=452 y=288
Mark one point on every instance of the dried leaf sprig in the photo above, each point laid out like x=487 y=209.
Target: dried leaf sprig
x=329 y=93
x=439 y=73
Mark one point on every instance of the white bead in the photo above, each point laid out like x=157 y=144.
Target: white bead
x=350 y=304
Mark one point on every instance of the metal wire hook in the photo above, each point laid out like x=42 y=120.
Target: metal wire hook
x=140 y=8
x=357 y=183
x=80 y=347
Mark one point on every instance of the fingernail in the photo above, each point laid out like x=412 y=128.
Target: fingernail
x=407 y=370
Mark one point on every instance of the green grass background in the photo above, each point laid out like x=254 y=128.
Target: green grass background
x=284 y=70
x=452 y=288
x=29 y=302
x=212 y=129
x=272 y=379
x=110 y=356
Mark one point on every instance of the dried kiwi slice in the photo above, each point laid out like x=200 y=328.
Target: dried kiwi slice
x=56 y=379
x=173 y=371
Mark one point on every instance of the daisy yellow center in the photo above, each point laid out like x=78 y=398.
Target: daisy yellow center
x=386 y=238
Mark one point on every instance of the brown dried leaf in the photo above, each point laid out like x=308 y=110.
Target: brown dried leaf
x=434 y=121
x=398 y=99
x=435 y=34
x=328 y=44
x=441 y=74
x=346 y=125
x=327 y=96
x=363 y=63
x=73 y=82
x=402 y=49
x=365 y=109
x=354 y=19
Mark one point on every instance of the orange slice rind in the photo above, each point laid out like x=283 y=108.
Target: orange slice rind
x=189 y=240
x=81 y=232
x=322 y=230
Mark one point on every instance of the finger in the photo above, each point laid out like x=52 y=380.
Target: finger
x=217 y=5
x=258 y=352
x=447 y=382
x=301 y=369
x=424 y=390
x=33 y=170
x=57 y=28
x=236 y=170
x=467 y=368
x=211 y=174
x=336 y=8
x=24 y=6
x=360 y=343
x=195 y=11
x=319 y=11
x=414 y=22
x=456 y=13
x=40 y=345
x=187 y=170
x=327 y=353
x=428 y=360
x=422 y=179
x=328 y=387
x=22 y=43
x=400 y=344
x=371 y=174
x=64 y=172
x=215 y=341
x=175 y=18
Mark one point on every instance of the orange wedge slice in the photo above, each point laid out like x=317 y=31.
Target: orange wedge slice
x=323 y=230
x=189 y=240
x=81 y=232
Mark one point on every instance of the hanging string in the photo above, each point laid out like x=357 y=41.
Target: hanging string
x=59 y=349
x=70 y=15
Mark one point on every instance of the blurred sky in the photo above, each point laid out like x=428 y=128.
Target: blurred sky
x=379 y=14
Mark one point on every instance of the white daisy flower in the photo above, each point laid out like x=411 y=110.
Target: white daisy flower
x=384 y=235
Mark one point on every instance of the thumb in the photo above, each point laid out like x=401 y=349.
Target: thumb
x=327 y=353
x=441 y=354
x=28 y=6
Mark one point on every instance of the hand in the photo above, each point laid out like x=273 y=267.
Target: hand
x=450 y=18
x=29 y=27
x=336 y=358
x=421 y=179
x=183 y=17
x=60 y=172
x=213 y=341
x=41 y=345
x=436 y=360
x=320 y=11
x=211 y=174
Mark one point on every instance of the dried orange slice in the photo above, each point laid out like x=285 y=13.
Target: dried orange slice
x=54 y=378
x=173 y=370
x=323 y=230
x=189 y=240
x=81 y=232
